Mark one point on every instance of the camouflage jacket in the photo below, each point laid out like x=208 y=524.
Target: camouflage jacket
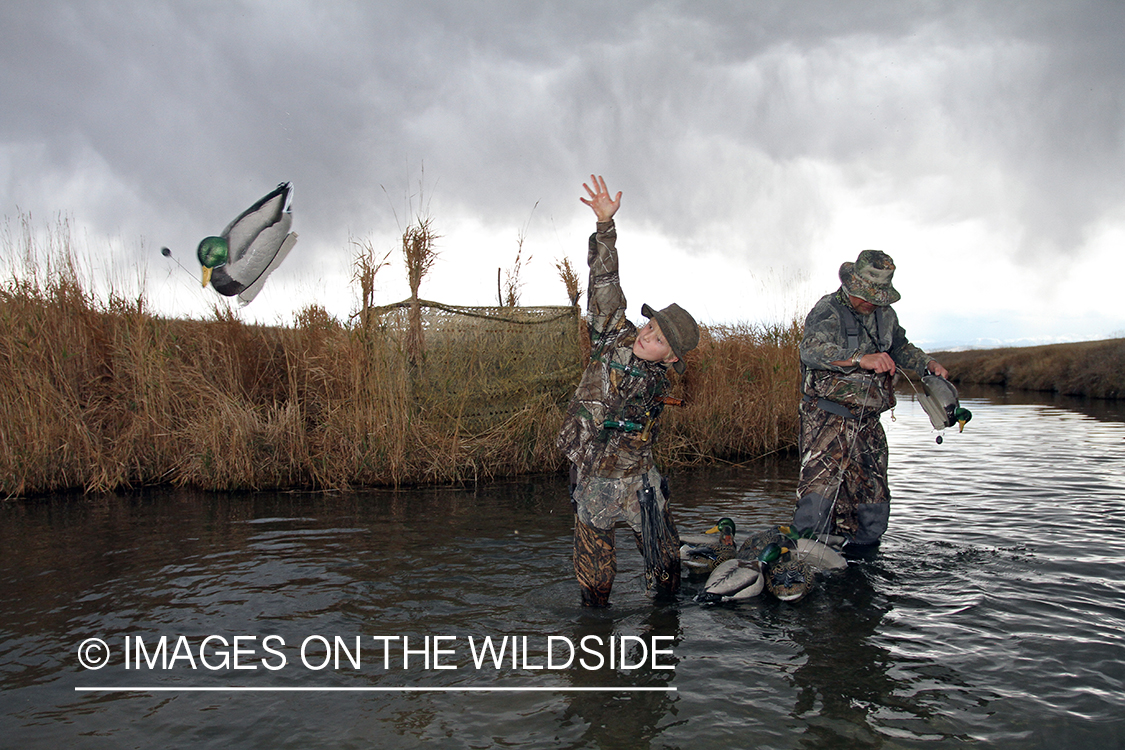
x=825 y=341
x=611 y=423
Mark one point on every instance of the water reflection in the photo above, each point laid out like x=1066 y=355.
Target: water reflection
x=844 y=679
x=1104 y=410
x=853 y=689
x=633 y=719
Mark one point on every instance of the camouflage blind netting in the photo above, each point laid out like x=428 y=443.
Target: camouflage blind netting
x=481 y=365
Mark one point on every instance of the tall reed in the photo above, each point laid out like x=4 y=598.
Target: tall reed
x=513 y=281
x=419 y=253
x=569 y=278
x=740 y=395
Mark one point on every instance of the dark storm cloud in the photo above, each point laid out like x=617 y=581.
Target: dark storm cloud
x=718 y=119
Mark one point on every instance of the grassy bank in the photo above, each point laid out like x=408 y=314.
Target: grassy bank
x=1089 y=368
x=104 y=395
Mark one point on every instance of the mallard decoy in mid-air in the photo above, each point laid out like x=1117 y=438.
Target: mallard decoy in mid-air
x=237 y=262
x=702 y=558
x=738 y=579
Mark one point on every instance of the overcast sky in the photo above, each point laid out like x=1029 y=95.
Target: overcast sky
x=758 y=146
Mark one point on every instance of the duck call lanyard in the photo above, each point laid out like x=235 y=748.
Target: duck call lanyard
x=653 y=405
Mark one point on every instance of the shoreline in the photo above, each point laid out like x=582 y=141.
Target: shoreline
x=1092 y=369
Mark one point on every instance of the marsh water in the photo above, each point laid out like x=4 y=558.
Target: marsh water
x=992 y=615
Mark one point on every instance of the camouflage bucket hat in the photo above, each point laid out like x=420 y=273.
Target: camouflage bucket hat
x=869 y=278
x=679 y=329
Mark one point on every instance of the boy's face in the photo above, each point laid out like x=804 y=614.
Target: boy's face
x=651 y=346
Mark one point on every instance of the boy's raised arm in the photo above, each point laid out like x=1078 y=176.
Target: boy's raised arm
x=605 y=300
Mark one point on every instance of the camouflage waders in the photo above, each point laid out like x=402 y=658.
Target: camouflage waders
x=843 y=485
x=595 y=549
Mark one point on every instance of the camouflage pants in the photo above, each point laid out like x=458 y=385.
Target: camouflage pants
x=843 y=485
x=595 y=551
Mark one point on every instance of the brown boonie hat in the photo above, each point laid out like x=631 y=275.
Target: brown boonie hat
x=679 y=329
x=869 y=278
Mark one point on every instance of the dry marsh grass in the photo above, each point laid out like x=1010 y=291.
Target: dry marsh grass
x=102 y=395
x=1089 y=368
x=740 y=395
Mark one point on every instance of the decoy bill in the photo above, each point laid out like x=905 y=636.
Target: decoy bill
x=237 y=262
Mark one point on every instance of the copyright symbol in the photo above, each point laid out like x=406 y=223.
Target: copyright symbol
x=93 y=653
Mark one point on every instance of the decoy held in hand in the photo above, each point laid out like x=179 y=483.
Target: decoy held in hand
x=941 y=403
x=237 y=262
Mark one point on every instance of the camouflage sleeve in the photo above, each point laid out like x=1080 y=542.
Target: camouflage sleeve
x=605 y=302
x=904 y=353
x=823 y=342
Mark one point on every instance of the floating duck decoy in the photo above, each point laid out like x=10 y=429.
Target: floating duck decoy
x=237 y=262
x=759 y=540
x=702 y=558
x=814 y=550
x=738 y=579
x=789 y=578
x=708 y=538
x=819 y=555
x=779 y=559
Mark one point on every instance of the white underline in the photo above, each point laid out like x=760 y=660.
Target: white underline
x=154 y=689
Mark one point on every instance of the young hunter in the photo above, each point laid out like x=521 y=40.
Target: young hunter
x=613 y=422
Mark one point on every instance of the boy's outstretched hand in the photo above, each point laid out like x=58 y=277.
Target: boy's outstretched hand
x=604 y=206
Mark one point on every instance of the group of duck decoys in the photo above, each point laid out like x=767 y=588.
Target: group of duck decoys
x=779 y=560
x=237 y=261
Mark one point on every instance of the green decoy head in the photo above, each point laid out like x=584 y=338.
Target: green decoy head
x=789 y=580
x=212 y=253
x=725 y=529
x=772 y=552
x=961 y=415
x=725 y=525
